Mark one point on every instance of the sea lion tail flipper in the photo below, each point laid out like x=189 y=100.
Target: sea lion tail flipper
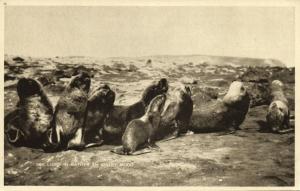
x=52 y=140
x=118 y=150
x=169 y=138
x=142 y=151
x=121 y=151
x=230 y=131
x=283 y=131
x=77 y=142
x=97 y=144
x=153 y=146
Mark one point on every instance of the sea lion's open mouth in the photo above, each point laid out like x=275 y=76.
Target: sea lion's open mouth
x=14 y=135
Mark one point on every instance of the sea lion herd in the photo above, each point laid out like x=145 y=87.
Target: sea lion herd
x=83 y=118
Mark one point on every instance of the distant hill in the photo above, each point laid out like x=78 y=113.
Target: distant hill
x=218 y=60
x=171 y=59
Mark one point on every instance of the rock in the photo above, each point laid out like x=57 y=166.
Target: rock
x=61 y=74
x=187 y=80
x=79 y=69
x=219 y=82
x=201 y=95
x=9 y=77
x=132 y=68
x=18 y=59
x=259 y=93
x=149 y=62
x=283 y=74
x=46 y=80
x=257 y=75
x=258 y=82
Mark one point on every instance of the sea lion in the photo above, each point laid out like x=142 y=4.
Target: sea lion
x=278 y=115
x=68 y=121
x=176 y=113
x=140 y=132
x=27 y=125
x=119 y=116
x=225 y=114
x=100 y=102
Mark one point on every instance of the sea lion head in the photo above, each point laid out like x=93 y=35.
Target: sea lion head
x=182 y=91
x=22 y=128
x=102 y=96
x=276 y=85
x=27 y=87
x=277 y=112
x=156 y=88
x=236 y=94
x=155 y=108
x=81 y=81
x=157 y=104
x=163 y=85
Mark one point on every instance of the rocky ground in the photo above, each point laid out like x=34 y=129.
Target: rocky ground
x=250 y=157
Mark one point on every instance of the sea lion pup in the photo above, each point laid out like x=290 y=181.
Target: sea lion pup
x=223 y=114
x=28 y=123
x=68 y=121
x=176 y=113
x=278 y=116
x=140 y=132
x=100 y=102
x=119 y=116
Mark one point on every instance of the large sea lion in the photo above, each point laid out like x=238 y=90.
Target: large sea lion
x=28 y=123
x=119 y=116
x=278 y=116
x=223 y=114
x=176 y=113
x=68 y=121
x=100 y=102
x=140 y=132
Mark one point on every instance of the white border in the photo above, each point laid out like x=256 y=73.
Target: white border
x=253 y=3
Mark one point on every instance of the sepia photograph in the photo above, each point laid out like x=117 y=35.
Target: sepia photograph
x=149 y=95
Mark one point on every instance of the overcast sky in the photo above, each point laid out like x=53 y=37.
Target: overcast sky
x=139 y=31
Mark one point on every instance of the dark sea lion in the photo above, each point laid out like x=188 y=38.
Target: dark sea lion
x=68 y=121
x=225 y=114
x=119 y=116
x=177 y=113
x=100 y=102
x=278 y=116
x=28 y=123
x=140 y=132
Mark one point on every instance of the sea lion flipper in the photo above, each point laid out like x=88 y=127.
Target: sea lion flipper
x=169 y=138
x=118 y=150
x=142 y=151
x=97 y=144
x=230 y=131
x=77 y=142
x=283 y=131
x=154 y=146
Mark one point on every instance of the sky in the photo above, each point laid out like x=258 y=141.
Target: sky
x=257 y=32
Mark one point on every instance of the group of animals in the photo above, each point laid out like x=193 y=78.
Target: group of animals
x=84 y=118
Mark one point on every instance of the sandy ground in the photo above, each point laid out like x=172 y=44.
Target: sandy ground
x=250 y=157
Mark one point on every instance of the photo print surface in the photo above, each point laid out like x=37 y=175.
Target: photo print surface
x=149 y=96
